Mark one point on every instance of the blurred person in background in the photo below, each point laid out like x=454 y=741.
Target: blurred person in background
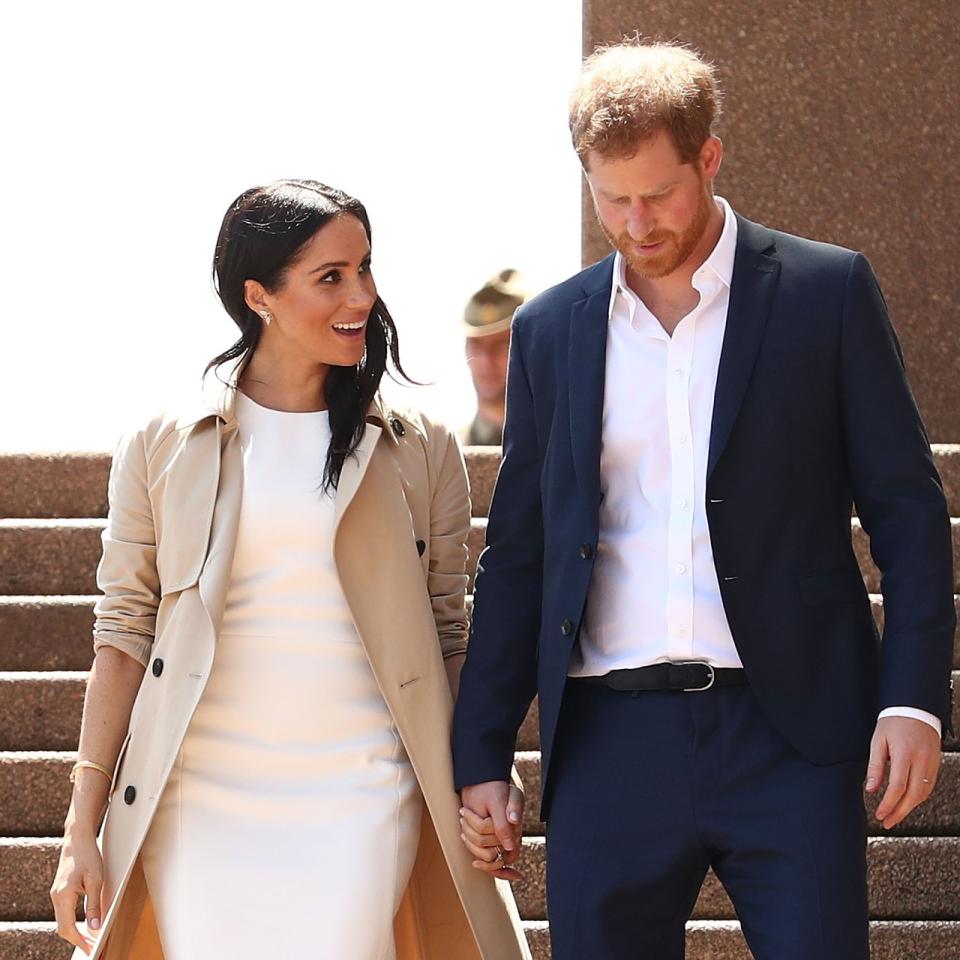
x=486 y=322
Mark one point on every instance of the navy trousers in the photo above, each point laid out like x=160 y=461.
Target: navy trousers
x=649 y=790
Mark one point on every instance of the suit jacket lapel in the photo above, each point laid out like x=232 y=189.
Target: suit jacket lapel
x=587 y=372
x=756 y=272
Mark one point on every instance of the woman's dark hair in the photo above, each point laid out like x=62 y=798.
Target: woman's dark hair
x=262 y=234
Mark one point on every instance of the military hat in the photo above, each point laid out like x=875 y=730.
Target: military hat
x=491 y=308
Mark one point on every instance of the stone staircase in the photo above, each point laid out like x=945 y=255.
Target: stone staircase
x=52 y=509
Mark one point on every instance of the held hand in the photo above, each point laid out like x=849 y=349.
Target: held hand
x=491 y=820
x=912 y=749
x=80 y=873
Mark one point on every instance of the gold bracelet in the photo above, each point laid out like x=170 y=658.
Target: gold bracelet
x=80 y=764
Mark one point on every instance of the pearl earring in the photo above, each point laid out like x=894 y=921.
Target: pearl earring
x=267 y=316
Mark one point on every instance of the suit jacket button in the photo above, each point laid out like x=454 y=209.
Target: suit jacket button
x=130 y=794
x=398 y=427
x=421 y=547
x=566 y=628
x=157 y=667
x=586 y=551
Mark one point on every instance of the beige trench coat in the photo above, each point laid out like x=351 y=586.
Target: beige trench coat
x=175 y=490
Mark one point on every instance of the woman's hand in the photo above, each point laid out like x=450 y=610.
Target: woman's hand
x=491 y=821
x=79 y=874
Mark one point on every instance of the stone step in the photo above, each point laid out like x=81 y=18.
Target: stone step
x=49 y=556
x=47 y=485
x=722 y=940
x=42 y=710
x=46 y=633
x=53 y=633
x=911 y=878
x=44 y=557
x=706 y=940
x=35 y=792
x=44 y=485
x=482 y=466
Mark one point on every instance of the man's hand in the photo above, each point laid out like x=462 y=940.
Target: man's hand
x=491 y=823
x=912 y=748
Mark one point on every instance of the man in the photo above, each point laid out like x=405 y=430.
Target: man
x=486 y=323
x=669 y=560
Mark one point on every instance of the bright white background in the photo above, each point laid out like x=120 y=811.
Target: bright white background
x=129 y=128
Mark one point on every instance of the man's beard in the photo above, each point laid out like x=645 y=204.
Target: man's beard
x=677 y=247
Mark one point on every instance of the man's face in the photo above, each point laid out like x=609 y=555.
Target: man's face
x=653 y=208
x=487 y=357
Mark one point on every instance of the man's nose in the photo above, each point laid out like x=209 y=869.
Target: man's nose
x=640 y=223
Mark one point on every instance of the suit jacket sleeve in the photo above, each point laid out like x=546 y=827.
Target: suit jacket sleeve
x=127 y=575
x=499 y=677
x=900 y=503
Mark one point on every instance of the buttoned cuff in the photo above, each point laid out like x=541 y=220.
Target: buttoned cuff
x=914 y=714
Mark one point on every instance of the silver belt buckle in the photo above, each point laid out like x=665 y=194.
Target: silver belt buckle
x=709 y=684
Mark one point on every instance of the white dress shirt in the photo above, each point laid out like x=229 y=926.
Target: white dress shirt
x=654 y=595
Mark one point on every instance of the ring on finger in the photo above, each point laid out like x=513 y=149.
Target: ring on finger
x=500 y=854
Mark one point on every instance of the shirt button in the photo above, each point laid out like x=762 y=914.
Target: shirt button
x=682 y=438
x=130 y=794
x=681 y=568
x=683 y=504
x=682 y=632
x=398 y=427
x=678 y=372
x=586 y=551
x=566 y=628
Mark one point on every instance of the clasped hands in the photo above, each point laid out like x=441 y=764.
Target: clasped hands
x=491 y=826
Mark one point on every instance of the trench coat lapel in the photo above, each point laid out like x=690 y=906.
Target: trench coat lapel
x=215 y=575
x=353 y=472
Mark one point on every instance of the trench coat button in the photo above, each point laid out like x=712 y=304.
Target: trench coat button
x=421 y=547
x=566 y=628
x=157 y=667
x=586 y=551
x=398 y=427
x=130 y=794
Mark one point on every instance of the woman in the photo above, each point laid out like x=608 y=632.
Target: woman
x=294 y=792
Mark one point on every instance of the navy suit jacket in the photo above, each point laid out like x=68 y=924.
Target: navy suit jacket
x=812 y=414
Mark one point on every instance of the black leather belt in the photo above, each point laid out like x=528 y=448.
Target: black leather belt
x=686 y=676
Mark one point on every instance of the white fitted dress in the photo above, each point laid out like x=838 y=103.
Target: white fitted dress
x=290 y=823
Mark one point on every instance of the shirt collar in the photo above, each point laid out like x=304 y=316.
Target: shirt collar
x=719 y=265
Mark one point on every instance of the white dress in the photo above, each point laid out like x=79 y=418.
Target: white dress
x=291 y=820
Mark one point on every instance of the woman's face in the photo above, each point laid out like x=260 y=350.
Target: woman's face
x=320 y=311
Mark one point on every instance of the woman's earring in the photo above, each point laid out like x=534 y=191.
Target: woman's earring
x=267 y=316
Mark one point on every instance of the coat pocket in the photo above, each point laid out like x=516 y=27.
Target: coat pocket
x=835 y=586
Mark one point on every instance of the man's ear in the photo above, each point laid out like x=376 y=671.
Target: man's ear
x=711 y=156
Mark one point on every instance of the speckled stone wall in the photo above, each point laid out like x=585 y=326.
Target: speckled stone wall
x=840 y=124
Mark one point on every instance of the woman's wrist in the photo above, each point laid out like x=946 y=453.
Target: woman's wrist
x=83 y=818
